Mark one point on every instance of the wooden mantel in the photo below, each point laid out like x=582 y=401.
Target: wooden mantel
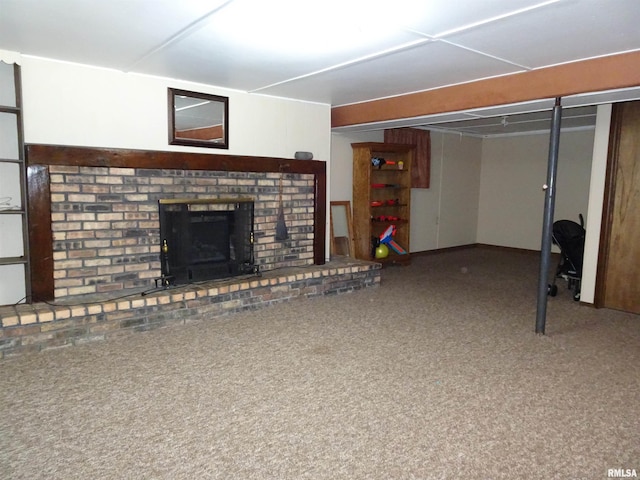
x=40 y=157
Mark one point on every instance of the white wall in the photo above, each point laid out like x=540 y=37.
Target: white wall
x=70 y=104
x=596 y=200
x=426 y=203
x=459 y=189
x=341 y=177
x=514 y=170
x=446 y=214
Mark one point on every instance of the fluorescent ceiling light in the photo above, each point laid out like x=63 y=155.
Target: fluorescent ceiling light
x=311 y=28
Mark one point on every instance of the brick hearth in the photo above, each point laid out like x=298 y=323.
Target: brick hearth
x=82 y=319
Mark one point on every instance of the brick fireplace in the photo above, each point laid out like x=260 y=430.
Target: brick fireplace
x=95 y=235
x=94 y=212
x=106 y=230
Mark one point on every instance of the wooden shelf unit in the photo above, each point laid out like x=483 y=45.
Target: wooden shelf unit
x=382 y=197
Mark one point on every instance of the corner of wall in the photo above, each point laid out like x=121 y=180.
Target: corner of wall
x=596 y=198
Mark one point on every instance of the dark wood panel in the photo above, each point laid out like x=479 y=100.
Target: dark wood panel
x=421 y=165
x=607 y=208
x=320 y=218
x=40 y=233
x=618 y=279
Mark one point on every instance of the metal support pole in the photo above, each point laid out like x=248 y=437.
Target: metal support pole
x=547 y=223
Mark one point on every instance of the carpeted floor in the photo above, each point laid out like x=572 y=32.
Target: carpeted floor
x=437 y=374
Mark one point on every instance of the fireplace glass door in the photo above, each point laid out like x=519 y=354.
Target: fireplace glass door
x=205 y=239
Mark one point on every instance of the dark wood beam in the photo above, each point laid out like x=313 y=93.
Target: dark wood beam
x=598 y=74
x=116 y=157
x=40 y=233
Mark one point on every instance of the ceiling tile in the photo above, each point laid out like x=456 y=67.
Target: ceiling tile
x=254 y=55
x=264 y=47
x=103 y=33
x=558 y=33
x=432 y=65
x=441 y=16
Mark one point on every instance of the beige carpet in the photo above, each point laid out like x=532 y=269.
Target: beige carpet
x=437 y=374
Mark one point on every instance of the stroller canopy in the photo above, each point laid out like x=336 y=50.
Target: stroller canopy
x=569 y=236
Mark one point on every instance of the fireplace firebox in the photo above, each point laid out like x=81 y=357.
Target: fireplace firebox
x=205 y=239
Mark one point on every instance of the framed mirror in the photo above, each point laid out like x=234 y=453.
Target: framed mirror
x=341 y=229
x=198 y=119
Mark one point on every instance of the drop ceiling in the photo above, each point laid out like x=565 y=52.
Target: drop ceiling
x=338 y=52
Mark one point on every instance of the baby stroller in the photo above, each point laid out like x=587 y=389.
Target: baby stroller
x=569 y=236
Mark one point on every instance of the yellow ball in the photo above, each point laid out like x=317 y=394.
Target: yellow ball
x=382 y=251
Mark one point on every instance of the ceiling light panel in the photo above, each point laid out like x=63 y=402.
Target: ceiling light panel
x=305 y=28
x=248 y=45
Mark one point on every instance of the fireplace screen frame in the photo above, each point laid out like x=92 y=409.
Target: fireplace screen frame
x=182 y=263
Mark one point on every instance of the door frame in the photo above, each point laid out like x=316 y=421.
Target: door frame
x=613 y=155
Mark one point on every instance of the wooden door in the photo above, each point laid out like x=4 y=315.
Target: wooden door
x=619 y=271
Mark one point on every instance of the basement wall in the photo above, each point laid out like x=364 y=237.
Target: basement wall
x=486 y=190
x=514 y=169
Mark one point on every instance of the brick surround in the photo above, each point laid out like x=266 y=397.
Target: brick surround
x=106 y=229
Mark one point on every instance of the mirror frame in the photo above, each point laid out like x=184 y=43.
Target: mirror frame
x=350 y=245
x=173 y=140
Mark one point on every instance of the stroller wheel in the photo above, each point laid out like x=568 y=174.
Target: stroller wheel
x=552 y=290
x=576 y=293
